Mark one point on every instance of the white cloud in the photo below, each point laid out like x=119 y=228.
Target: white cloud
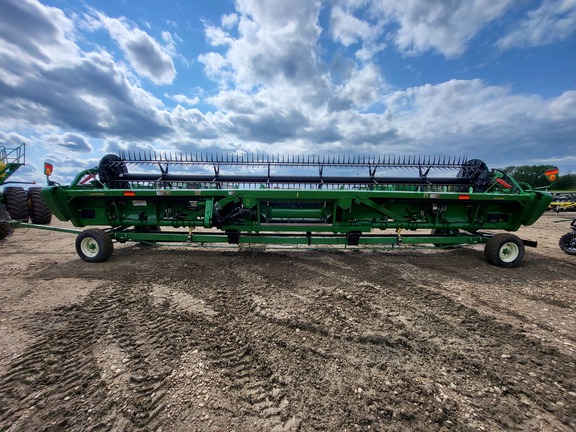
x=553 y=21
x=277 y=39
x=82 y=91
x=11 y=140
x=347 y=29
x=564 y=106
x=50 y=43
x=445 y=26
x=230 y=20
x=488 y=122
x=216 y=36
x=215 y=66
x=362 y=88
x=183 y=99
x=72 y=141
x=146 y=55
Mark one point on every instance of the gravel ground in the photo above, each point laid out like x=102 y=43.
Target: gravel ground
x=190 y=339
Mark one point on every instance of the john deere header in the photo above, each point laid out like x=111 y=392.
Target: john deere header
x=298 y=200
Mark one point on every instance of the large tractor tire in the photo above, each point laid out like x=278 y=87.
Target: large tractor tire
x=6 y=229
x=16 y=201
x=39 y=211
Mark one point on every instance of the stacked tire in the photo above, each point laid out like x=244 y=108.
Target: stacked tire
x=21 y=205
x=16 y=202
x=39 y=211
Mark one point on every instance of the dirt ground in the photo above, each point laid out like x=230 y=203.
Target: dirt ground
x=190 y=339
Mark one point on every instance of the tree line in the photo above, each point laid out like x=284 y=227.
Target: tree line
x=534 y=176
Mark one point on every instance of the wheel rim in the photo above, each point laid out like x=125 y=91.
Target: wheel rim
x=89 y=247
x=509 y=252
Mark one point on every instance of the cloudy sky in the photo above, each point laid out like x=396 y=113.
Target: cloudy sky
x=487 y=79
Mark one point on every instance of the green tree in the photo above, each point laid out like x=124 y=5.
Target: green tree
x=565 y=182
x=534 y=176
x=531 y=174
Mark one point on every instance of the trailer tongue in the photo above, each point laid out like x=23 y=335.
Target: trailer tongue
x=296 y=200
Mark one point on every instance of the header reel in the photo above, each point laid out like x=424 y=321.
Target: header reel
x=281 y=171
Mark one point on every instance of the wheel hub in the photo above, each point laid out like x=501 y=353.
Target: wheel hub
x=89 y=247
x=509 y=252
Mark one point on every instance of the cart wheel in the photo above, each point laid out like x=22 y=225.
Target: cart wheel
x=568 y=243
x=16 y=202
x=504 y=250
x=39 y=211
x=94 y=245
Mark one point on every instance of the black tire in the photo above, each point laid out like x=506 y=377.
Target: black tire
x=568 y=243
x=6 y=229
x=16 y=201
x=94 y=245
x=504 y=250
x=39 y=211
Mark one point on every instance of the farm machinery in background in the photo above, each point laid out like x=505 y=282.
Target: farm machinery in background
x=325 y=201
x=563 y=201
x=16 y=202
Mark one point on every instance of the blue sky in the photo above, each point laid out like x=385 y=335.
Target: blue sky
x=487 y=79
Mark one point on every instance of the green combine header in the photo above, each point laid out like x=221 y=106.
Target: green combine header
x=352 y=201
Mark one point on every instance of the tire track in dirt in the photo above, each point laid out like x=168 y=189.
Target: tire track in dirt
x=423 y=327
x=502 y=357
x=311 y=356
x=305 y=340
x=526 y=297
x=222 y=382
x=253 y=398
x=95 y=360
